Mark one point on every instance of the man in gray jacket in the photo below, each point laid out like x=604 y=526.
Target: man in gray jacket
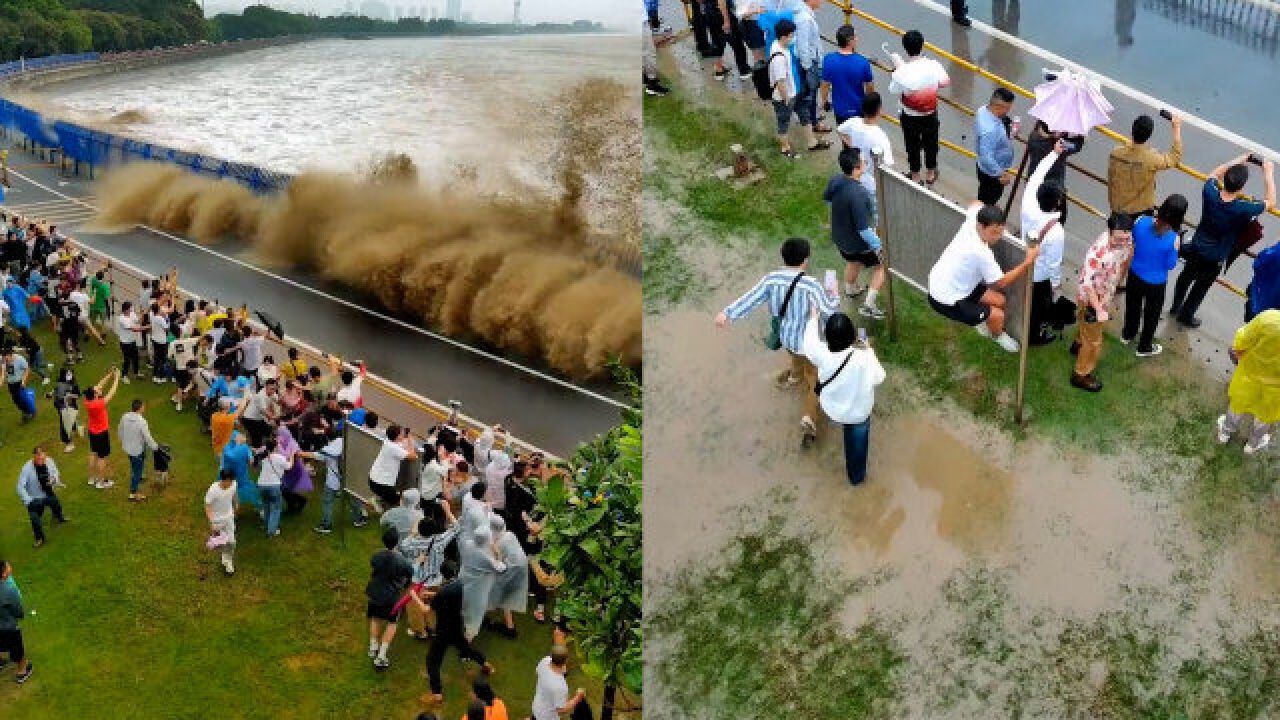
x=36 y=485
x=10 y=634
x=135 y=439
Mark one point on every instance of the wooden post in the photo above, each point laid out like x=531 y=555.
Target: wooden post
x=1024 y=349
x=892 y=313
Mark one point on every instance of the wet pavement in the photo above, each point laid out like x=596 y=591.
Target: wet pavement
x=555 y=415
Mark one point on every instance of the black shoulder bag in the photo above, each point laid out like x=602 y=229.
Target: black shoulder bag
x=773 y=340
x=821 y=385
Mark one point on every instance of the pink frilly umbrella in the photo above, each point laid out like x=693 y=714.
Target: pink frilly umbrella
x=1071 y=103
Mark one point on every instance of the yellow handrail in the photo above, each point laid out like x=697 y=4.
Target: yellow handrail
x=847 y=8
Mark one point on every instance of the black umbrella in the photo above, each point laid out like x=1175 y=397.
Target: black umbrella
x=274 y=326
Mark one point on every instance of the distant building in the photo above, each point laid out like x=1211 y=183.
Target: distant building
x=375 y=9
x=453 y=9
x=466 y=17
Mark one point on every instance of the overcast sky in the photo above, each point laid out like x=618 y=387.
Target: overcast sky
x=617 y=13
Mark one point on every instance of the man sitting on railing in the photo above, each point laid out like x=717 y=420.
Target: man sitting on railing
x=967 y=285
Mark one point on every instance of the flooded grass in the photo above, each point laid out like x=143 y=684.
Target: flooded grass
x=1107 y=560
x=758 y=637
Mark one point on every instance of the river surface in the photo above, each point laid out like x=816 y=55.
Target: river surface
x=334 y=104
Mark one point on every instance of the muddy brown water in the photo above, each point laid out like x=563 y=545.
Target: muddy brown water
x=1070 y=534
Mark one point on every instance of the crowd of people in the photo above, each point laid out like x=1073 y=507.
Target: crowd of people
x=1134 y=255
x=458 y=509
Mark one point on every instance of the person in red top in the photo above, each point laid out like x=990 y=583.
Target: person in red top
x=95 y=405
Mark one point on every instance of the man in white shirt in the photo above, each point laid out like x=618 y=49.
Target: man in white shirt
x=81 y=299
x=551 y=700
x=126 y=325
x=159 y=335
x=967 y=285
x=259 y=413
x=1042 y=225
x=220 y=508
x=866 y=134
x=848 y=373
x=786 y=89
x=385 y=471
x=135 y=440
x=251 y=351
x=916 y=82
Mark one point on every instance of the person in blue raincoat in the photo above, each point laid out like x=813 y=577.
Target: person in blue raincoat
x=35 y=283
x=1264 y=290
x=236 y=457
x=16 y=298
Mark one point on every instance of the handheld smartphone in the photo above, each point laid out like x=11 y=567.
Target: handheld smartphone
x=1166 y=114
x=1254 y=159
x=862 y=336
x=1071 y=146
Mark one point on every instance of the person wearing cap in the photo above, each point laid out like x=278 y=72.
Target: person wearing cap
x=1255 y=384
x=1099 y=275
x=1155 y=254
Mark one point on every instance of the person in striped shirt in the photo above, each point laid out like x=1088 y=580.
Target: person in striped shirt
x=809 y=293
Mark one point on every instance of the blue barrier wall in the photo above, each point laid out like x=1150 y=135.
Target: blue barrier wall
x=99 y=149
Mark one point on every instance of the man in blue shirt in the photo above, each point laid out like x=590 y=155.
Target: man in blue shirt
x=1155 y=253
x=1224 y=215
x=846 y=77
x=994 y=147
x=801 y=295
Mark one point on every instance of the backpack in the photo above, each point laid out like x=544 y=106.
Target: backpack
x=760 y=77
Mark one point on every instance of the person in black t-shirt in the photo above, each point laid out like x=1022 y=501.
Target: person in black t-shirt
x=391 y=576
x=447 y=606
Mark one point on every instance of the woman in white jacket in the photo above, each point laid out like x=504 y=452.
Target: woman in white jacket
x=848 y=373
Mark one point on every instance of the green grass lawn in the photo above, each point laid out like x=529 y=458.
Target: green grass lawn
x=135 y=619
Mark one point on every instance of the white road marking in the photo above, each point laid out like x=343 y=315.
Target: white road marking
x=386 y=318
x=1154 y=103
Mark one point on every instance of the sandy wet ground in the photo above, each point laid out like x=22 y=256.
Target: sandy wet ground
x=1056 y=536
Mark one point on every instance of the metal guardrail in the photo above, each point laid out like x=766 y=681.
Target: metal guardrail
x=390 y=401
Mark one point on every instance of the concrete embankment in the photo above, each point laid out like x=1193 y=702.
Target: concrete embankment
x=123 y=62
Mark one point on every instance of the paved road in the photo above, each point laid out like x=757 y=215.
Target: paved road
x=536 y=407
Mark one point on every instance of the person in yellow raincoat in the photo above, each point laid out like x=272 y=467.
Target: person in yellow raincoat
x=1255 y=386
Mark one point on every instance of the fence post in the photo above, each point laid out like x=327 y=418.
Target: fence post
x=1024 y=349
x=881 y=177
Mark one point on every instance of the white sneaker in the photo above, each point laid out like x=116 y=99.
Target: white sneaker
x=45 y=381
x=124 y=379
x=229 y=568
x=871 y=311
x=106 y=484
x=70 y=448
x=373 y=651
x=1250 y=448
x=982 y=329
x=1008 y=343
x=1224 y=437
x=1156 y=349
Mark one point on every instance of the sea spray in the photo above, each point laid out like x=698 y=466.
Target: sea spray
x=514 y=272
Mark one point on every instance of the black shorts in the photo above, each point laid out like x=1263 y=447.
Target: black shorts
x=865 y=258
x=100 y=443
x=379 y=611
x=968 y=311
x=11 y=645
x=752 y=34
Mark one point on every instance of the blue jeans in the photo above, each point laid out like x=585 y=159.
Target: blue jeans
x=326 y=512
x=272 y=506
x=38 y=364
x=857 y=443
x=136 y=465
x=807 y=102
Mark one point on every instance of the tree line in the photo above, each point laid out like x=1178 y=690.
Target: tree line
x=37 y=28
